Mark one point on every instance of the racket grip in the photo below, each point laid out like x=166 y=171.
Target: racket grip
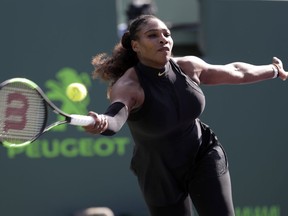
x=81 y=120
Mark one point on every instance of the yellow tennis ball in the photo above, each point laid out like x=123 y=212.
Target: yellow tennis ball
x=76 y=92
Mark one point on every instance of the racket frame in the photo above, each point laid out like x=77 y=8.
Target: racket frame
x=77 y=119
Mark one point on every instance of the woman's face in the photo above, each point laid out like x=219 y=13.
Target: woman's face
x=153 y=44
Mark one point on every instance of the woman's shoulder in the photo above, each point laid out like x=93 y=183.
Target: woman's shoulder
x=128 y=80
x=128 y=89
x=130 y=76
x=184 y=60
x=191 y=66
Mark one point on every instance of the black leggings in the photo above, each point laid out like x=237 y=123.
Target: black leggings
x=210 y=198
x=209 y=190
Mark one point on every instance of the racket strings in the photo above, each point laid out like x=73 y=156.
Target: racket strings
x=22 y=113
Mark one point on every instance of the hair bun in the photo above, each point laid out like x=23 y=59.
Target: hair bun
x=126 y=40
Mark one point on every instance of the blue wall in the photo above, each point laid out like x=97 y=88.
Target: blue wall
x=52 y=43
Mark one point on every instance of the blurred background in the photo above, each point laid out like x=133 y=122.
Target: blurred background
x=68 y=172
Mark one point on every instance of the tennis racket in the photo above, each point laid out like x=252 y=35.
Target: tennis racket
x=24 y=113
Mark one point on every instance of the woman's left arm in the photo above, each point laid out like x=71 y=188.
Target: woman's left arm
x=233 y=73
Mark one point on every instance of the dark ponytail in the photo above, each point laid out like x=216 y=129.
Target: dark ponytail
x=126 y=40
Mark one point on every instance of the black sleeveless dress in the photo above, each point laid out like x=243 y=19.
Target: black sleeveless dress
x=167 y=133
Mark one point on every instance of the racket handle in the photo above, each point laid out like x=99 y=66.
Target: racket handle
x=81 y=120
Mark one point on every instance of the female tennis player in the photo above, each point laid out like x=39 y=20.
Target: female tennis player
x=177 y=158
